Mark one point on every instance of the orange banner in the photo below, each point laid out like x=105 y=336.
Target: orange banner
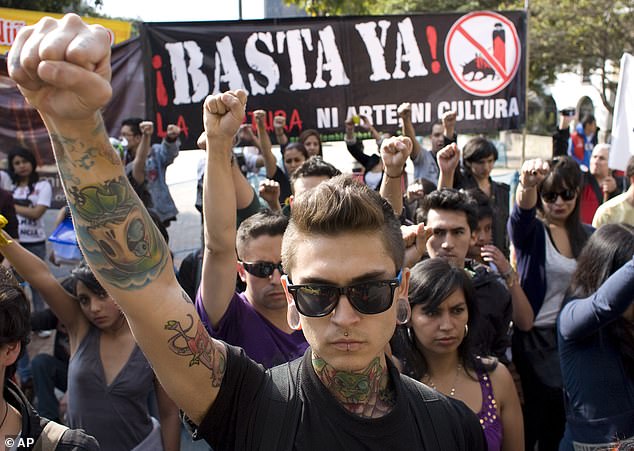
x=11 y=20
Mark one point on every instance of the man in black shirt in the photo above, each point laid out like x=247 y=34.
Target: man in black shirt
x=342 y=253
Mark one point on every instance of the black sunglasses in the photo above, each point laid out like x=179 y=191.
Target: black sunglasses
x=316 y=300
x=262 y=269
x=550 y=197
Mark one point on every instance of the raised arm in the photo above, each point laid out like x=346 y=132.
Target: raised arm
x=142 y=152
x=394 y=153
x=405 y=112
x=222 y=115
x=581 y=317
x=171 y=145
x=279 y=123
x=531 y=175
x=63 y=69
x=448 y=161
x=38 y=275
x=270 y=163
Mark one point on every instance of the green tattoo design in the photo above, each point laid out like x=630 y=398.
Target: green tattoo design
x=201 y=347
x=117 y=234
x=85 y=154
x=357 y=390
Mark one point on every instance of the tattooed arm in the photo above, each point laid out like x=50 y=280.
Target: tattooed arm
x=222 y=115
x=63 y=69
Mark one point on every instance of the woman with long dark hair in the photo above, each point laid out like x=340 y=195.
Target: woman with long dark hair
x=435 y=348
x=32 y=197
x=547 y=234
x=20 y=424
x=596 y=343
x=109 y=378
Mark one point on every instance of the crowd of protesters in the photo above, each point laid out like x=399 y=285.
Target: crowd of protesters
x=324 y=310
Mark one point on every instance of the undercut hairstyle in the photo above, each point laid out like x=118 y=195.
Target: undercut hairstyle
x=484 y=209
x=28 y=156
x=337 y=206
x=263 y=223
x=449 y=199
x=15 y=316
x=315 y=166
x=431 y=282
x=134 y=124
x=629 y=171
x=565 y=174
x=303 y=136
x=608 y=249
x=477 y=149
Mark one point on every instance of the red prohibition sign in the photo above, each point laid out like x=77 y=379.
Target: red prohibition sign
x=483 y=52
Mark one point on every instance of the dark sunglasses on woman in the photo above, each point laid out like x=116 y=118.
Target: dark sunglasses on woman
x=566 y=195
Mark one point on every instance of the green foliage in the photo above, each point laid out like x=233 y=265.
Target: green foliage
x=582 y=36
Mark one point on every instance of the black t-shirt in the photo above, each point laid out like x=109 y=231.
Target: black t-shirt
x=289 y=408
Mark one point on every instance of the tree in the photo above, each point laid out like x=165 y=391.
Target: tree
x=582 y=36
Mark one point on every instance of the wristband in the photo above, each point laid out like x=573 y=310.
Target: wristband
x=395 y=176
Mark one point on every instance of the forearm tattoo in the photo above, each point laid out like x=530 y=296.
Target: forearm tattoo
x=366 y=393
x=117 y=234
x=115 y=231
x=200 y=346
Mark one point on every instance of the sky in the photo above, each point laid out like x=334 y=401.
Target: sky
x=181 y=10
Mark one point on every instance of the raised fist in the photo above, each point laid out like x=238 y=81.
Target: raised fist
x=62 y=67
x=223 y=114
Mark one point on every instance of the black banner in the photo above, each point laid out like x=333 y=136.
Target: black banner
x=319 y=71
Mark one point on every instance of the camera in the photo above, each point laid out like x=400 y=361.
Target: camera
x=568 y=112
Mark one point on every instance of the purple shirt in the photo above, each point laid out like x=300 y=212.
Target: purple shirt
x=243 y=326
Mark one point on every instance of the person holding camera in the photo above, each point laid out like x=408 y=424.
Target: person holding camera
x=561 y=137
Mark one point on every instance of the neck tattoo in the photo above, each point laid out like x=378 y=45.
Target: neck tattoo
x=452 y=390
x=366 y=393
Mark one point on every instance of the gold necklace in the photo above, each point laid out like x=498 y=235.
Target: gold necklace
x=452 y=390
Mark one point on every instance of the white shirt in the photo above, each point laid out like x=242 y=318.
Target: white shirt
x=32 y=230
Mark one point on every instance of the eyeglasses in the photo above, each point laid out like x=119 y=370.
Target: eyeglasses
x=262 y=269
x=566 y=195
x=316 y=300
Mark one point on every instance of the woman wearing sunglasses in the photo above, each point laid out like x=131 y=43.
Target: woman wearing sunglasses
x=547 y=233
x=435 y=347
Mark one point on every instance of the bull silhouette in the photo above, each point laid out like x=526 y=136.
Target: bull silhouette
x=477 y=65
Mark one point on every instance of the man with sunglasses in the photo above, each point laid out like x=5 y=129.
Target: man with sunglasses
x=344 y=393
x=254 y=320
